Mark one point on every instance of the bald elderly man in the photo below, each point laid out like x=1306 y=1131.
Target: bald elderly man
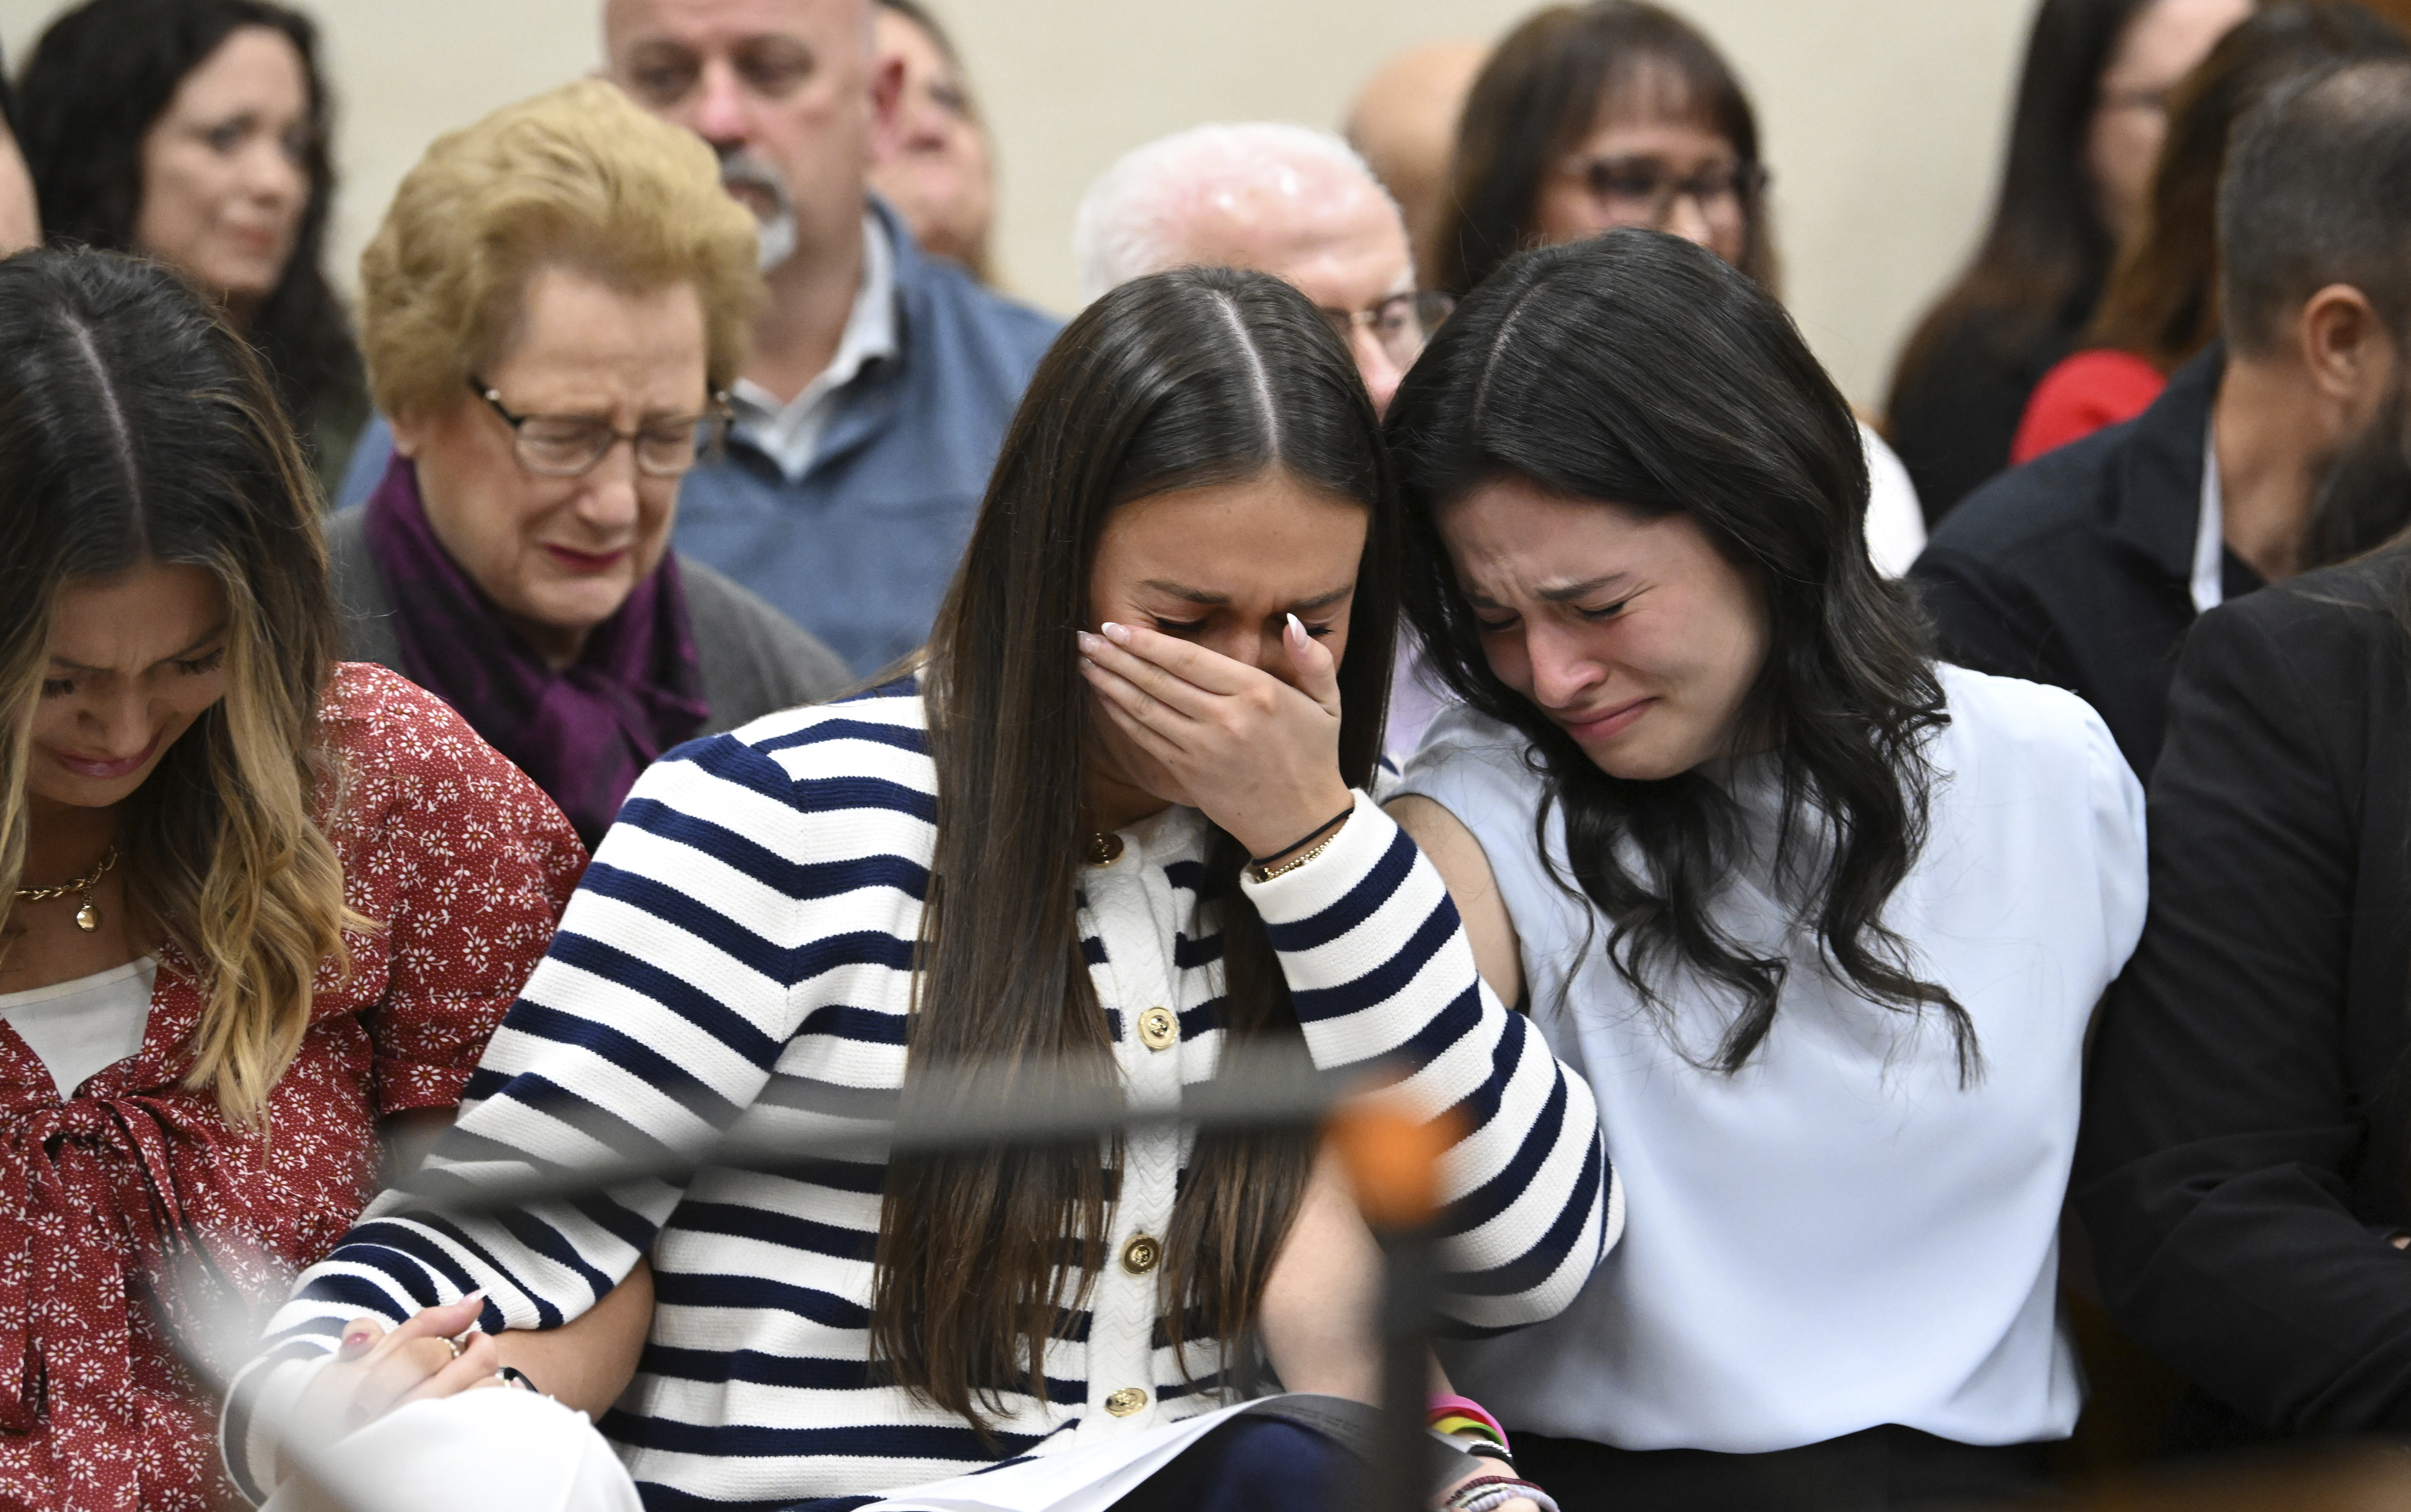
x=880 y=383
x=1286 y=201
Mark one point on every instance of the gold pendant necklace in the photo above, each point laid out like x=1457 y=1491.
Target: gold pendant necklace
x=87 y=917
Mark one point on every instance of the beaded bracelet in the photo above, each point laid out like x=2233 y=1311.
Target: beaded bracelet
x=1480 y=1448
x=1487 y=1493
x=1460 y=1416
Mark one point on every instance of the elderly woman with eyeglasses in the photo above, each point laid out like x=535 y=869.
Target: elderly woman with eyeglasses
x=551 y=311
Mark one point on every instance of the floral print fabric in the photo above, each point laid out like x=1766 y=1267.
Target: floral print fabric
x=464 y=864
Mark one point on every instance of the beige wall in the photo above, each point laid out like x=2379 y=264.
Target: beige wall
x=1883 y=118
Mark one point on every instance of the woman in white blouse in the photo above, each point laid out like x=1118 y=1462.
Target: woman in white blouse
x=1822 y=921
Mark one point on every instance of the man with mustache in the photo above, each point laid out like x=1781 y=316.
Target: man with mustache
x=2278 y=450
x=879 y=381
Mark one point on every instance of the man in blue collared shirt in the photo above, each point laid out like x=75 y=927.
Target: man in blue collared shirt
x=881 y=381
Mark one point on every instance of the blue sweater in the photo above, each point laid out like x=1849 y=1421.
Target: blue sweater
x=742 y=949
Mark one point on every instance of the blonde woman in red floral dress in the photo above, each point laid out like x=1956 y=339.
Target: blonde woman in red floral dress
x=256 y=907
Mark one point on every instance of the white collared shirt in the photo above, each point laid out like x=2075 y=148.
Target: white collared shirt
x=790 y=434
x=2210 y=535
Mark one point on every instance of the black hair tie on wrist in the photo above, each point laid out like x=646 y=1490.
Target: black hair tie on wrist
x=1268 y=861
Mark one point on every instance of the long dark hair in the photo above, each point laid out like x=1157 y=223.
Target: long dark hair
x=1184 y=379
x=2047 y=250
x=1640 y=370
x=135 y=426
x=2162 y=300
x=1538 y=97
x=99 y=78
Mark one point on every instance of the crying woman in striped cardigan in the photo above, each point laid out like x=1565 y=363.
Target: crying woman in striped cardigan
x=1118 y=816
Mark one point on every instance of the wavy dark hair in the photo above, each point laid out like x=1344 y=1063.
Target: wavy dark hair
x=1538 y=97
x=1185 y=379
x=2162 y=300
x=1640 y=371
x=135 y=426
x=100 y=77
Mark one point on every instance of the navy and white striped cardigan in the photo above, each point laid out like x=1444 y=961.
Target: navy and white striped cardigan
x=740 y=948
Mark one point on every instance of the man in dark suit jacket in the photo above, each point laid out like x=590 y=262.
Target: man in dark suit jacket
x=2086 y=567
x=2247 y=1124
x=2242 y=1172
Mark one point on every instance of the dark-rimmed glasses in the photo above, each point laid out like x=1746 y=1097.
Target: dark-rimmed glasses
x=567 y=446
x=1400 y=324
x=1642 y=191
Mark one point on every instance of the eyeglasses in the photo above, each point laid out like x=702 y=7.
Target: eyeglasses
x=1642 y=191
x=567 y=446
x=1400 y=324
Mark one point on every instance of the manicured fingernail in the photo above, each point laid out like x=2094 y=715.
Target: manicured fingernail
x=1118 y=633
x=355 y=1344
x=477 y=1297
x=1087 y=642
x=1296 y=628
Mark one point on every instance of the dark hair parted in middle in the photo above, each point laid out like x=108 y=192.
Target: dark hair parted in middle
x=1641 y=372
x=1544 y=90
x=1186 y=379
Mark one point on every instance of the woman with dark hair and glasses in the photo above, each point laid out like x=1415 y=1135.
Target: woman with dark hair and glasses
x=555 y=302
x=1115 y=822
x=2090 y=117
x=1619 y=114
x=1823 y=920
x=196 y=132
x=256 y=905
x=2161 y=307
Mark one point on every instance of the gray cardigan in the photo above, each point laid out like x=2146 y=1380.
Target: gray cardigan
x=754 y=660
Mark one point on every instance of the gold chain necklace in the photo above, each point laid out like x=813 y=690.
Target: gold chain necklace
x=87 y=917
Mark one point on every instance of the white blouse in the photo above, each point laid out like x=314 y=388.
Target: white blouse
x=1840 y=1235
x=77 y=1028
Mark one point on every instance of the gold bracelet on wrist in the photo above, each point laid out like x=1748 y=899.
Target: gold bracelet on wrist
x=1265 y=874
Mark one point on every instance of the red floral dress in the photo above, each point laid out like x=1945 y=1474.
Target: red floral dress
x=466 y=864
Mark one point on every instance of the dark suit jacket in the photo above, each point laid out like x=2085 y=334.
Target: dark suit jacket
x=2077 y=569
x=2247 y=1120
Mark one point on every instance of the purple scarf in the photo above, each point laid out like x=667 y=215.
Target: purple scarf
x=584 y=731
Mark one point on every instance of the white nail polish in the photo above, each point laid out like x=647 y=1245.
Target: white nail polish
x=1299 y=628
